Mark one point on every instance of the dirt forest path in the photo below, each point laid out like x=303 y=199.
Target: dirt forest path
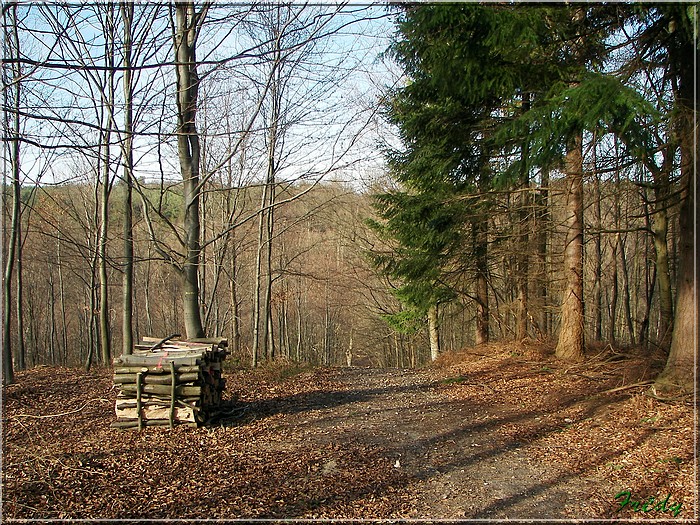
x=499 y=434
x=448 y=452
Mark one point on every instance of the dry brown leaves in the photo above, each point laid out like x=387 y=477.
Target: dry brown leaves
x=61 y=459
x=62 y=463
x=564 y=416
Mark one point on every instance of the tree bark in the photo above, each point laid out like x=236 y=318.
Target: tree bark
x=570 y=345
x=659 y=229
x=626 y=290
x=523 y=257
x=680 y=369
x=127 y=11
x=7 y=357
x=680 y=366
x=433 y=332
x=187 y=26
x=19 y=304
x=598 y=266
x=542 y=225
x=482 y=291
x=258 y=278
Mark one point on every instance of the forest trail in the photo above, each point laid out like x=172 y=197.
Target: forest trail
x=494 y=435
x=449 y=452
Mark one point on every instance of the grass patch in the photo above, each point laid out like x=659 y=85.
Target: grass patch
x=455 y=380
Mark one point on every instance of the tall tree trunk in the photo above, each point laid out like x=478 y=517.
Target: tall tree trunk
x=258 y=278
x=570 y=345
x=127 y=12
x=300 y=325
x=523 y=257
x=62 y=296
x=235 y=313
x=680 y=368
x=186 y=30
x=147 y=295
x=649 y=282
x=626 y=290
x=51 y=307
x=612 y=326
x=272 y=167
x=598 y=264
x=327 y=328
x=659 y=228
x=19 y=303
x=7 y=357
x=482 y=291
x=542 y=227
x=269 y=332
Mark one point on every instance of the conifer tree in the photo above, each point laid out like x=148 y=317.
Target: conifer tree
x=468 y=67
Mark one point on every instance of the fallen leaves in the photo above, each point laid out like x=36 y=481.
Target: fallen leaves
x=484 y=436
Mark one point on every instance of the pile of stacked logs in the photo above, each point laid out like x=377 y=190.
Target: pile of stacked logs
x=169 y=382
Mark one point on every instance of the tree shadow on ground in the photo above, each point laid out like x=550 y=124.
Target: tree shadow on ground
x=462 y=434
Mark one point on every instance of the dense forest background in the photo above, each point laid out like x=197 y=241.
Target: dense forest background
x=256 y=172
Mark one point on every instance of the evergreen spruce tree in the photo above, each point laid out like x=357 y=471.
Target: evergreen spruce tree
x=467 y=71
x=469 y=67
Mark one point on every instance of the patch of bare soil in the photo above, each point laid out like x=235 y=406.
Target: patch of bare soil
x=502 y=432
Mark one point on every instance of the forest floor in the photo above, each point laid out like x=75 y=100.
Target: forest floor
x=496 y=432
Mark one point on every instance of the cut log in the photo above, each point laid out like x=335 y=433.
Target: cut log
x=154 y=369
x=131 y=360
x=180 y=390
x=155 y=380
x=148 y=423
x=151 y=412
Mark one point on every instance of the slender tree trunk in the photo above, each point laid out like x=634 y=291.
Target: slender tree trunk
x=187 y=27
x=644 y=325
x=349 y=350
x=659 y=228
x=272 y=153
x=33 y=336
x=19 y=303
x=326 y=328
x=598 y=268
x=523 y=257
x=258 y=278
x=542 y=237
x=626 y=290
x=147 y=295
x=300 y=325
x=7 y=354
x=105 y=330
x=52 y=318
x=267 y=303
x=62 y=295
x=127 y=12
x=235 y=313
x=649 y=280
x=612 y=327
x=433 y=332
x=482 y=295
x=570 y=345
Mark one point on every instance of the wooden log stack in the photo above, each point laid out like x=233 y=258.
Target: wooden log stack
x=169 y=382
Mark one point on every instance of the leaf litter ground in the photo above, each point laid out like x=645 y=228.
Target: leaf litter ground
x=495 y=432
